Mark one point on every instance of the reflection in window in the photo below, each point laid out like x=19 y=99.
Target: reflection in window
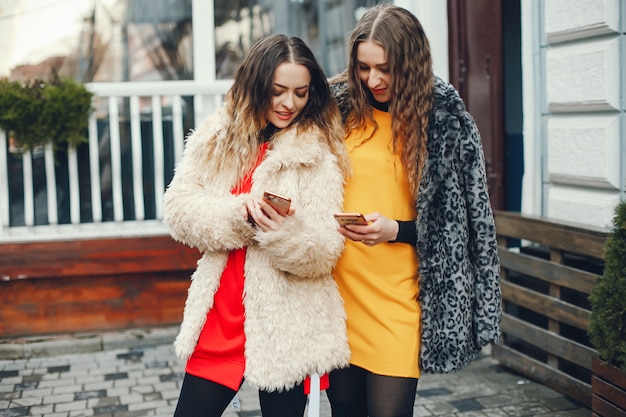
x=239 y=24
x=97 y=40
x=151 y=40
x=159 y=40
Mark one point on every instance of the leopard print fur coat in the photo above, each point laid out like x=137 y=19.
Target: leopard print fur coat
x=459 y=278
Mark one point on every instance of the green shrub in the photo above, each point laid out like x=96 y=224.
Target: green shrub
x=607 y=328
x=38 y=112
x=20 y=108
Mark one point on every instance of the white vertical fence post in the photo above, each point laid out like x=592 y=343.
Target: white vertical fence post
x=136 y=141
x=159 y=169
x=116 y=159
x=51 y=184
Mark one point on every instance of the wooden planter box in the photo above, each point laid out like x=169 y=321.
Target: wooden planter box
x=92 y=285
x=609 y=390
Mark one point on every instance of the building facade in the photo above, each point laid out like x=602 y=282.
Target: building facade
x=574 y=59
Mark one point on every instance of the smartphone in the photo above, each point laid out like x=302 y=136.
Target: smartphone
x=278 y=202
x=350 y=218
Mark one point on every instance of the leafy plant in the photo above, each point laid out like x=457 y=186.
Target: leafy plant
x=20 y=108
x=607 y=328
x=41 y=111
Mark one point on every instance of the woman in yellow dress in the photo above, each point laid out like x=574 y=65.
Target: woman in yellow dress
x=420 y=282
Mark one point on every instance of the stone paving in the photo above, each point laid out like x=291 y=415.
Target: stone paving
x=135 y=373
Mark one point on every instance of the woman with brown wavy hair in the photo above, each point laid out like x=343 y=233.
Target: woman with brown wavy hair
x=420 y=281
x=262 y=304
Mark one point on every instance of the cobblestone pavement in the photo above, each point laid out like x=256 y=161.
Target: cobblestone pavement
x=135 y=373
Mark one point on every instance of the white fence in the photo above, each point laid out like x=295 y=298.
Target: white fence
x=114 y=184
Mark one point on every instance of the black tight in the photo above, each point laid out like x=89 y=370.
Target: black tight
x=283 y=404
x=355 y=392
x=200 y=397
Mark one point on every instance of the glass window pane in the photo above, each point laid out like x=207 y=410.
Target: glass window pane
x=323 y=25
x=96 y=41
x=159 y=40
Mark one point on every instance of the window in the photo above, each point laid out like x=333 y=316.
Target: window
x=97 y=40
x=323 y=25
x=152 y=40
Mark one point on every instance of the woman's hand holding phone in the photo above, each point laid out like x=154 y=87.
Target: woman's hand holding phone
x=266 y=213
x=278 y=202
x=345 y=219
x=370 y=229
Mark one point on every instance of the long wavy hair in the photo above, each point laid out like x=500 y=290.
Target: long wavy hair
x=407 y=48
x=249 y=99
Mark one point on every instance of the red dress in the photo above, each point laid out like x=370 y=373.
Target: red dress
x=219 y=354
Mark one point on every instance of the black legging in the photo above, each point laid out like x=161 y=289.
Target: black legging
x=200 y=397
x=356 y=392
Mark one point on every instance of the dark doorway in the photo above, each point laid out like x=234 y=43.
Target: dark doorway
x=485 y=66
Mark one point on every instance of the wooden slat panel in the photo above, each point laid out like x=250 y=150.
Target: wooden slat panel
x=94 y=257
x=544 y=374
x=603 y=408
x=75 y=304
x=548 y=341
x=611 y=374
x=548 y=306
x=548 y=271
x=563 y=242
x=93 y=285
x=555 y=234
x=609 y=392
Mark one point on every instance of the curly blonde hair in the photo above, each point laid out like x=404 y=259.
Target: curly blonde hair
x=407 y=48
x=249 y=99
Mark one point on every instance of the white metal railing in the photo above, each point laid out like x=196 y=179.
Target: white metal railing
x=206 y=97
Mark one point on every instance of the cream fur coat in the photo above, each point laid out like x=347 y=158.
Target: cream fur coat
x=295 y=320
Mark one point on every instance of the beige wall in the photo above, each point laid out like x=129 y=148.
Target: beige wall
x=573 y=116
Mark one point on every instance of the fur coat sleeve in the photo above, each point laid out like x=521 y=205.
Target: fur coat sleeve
x=459 y=273
x=199 y=209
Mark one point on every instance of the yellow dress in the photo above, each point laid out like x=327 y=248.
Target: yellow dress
x=379 y=283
